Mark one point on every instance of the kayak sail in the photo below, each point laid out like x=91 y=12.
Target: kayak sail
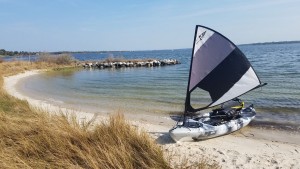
x=219 y=67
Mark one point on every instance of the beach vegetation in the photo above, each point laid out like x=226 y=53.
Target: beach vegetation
x=111 y=58
x=60 y=59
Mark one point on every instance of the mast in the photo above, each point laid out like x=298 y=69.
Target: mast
x=187 y=105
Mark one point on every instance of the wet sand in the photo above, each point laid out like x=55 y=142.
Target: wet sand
x=250 y=147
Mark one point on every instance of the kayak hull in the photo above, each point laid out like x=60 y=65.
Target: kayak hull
x=201 y=128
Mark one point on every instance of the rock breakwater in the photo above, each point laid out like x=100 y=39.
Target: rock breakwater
x=129 y=63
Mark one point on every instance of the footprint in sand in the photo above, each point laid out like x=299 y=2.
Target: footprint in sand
x=248 y=159
x=202 y=149
x=274 y=161
x=232 y=152
x=233 y=161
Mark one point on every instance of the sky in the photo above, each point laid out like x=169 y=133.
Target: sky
x=94 y=25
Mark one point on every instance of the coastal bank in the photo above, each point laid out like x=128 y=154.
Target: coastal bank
x=246 y=148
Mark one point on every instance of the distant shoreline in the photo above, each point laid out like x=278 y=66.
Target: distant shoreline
x=270 y=43
x=74 y=52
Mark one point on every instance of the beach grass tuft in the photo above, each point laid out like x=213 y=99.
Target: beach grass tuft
x=41 y=141
x=35 y=139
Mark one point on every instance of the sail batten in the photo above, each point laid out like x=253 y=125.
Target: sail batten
x=218 y=67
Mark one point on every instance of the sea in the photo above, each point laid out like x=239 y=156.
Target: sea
x=161 y=91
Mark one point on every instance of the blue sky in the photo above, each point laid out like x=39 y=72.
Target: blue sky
x=94 y=25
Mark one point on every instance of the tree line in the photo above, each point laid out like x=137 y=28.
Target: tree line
x=15 y=53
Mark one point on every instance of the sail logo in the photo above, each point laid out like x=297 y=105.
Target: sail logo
x=201 y=36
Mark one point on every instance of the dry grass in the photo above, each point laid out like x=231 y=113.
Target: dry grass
x=60 y=59
x=40 y=141
x=11 y=68
x=114 y=59
x=34 y=139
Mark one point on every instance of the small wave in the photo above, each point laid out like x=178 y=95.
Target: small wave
x=279 y=109
x=286 y=126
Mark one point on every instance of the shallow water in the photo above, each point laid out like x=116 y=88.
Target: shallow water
x=161 y=90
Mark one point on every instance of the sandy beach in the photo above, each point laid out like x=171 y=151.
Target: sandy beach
x=246 y=148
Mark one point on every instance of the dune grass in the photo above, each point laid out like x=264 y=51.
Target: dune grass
x=32 y=138
x=40 y=141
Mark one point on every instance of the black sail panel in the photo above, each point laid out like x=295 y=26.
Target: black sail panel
x=225 y=75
